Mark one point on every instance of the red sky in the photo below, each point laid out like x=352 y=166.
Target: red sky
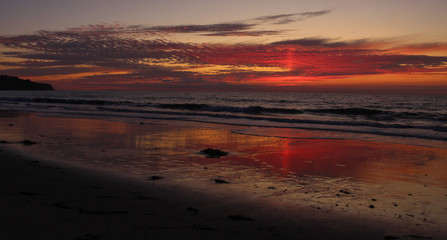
x=277 y=52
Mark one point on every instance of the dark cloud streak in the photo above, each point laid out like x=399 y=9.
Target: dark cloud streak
x=243 y=33
x=292 y=17
x=320 y=42
x=224 y=27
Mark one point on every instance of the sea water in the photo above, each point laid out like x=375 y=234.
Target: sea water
x=409 y=119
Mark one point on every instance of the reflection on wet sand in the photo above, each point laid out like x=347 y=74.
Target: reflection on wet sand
x=405 y=182
x=140 y=142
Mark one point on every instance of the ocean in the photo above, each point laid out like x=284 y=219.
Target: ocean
x=352 y=116
x=409 y=119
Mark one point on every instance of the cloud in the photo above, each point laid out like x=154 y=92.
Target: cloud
x=320 y=42
x=223 y=27
x=144 y=30
x=79 y=47
x=244 y=33
x=137 y=55
x=292 y=17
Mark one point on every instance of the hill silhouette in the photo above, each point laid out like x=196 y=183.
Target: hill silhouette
x=15 y=83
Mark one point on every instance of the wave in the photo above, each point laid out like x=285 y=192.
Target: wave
x=348 y=111
x=394 y=130
x=246 y=116
x=211 y=108
x=315 y=122
x=66 y=101
x=374 y=114
x=80 y=101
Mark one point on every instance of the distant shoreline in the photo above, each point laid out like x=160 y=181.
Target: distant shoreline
x=12 y=83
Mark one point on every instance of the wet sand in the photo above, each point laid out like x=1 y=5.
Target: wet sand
x=92 y=179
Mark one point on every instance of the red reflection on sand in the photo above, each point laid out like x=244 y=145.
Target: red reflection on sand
x=358 y=159
x=162 y=146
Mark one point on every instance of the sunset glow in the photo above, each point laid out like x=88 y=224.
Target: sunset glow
x=289 y=51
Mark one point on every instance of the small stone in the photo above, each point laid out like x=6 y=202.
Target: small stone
x=269 y=228
x=220 y=181
x=28 y=193
x=28 y=142
x=345 y=191
x=213 y=153
x=155 y=178
x=390 y=237
x=371 y=206
x=203 y=227
x=239 y=217
x=195 y=211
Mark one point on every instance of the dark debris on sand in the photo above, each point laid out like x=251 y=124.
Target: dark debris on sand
x=102 y=212
x=418 y=237
x=390 y=237
x=203 y=227
x=345 y=191
x=213 y=153
x=28 y=142
x=24 y=142
x=88 y=236
x=152 y=178
x=407 y=236
x=239 y=217
x=220 y=181
x=194 y=211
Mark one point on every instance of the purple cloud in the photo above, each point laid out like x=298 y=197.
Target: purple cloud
x=320 y=42
x=292 y=17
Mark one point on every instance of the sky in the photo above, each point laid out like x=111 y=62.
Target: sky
x=381 y=46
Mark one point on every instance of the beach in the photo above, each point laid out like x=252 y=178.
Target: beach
x=300 y=120
x=80 y=178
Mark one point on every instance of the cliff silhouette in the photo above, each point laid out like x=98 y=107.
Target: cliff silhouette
x=15 y=83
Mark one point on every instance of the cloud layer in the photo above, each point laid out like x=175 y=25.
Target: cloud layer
x=125 y=56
